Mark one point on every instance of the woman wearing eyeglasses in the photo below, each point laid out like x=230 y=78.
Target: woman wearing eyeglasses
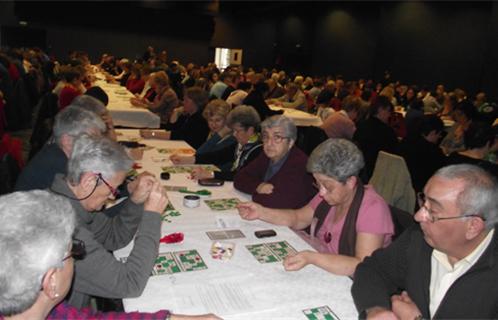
x=277 y=178
x=347 y=221
x=37 y=266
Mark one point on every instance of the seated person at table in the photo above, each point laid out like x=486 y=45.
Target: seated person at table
x=244 y=122
x=293 y=98
x=165 y=100
x=446 y=266
x=36 y=290
x=463 y=115
x=135 y=83
x=73 y=86
x=375 y=134
x=478 y=139
x=186 y=123
x=341 y=124
x=255 y=99
x=92 y=104
x=350 y=221
x=421 y=150
x=69 y=124
x=277 y=178
x=97 y=166
x=220 y=136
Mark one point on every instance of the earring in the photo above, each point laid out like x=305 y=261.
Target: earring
x=56 y=295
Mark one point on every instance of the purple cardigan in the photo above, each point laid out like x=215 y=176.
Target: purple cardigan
x=293 y=186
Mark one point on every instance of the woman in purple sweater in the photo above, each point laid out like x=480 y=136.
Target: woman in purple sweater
x=277 y=178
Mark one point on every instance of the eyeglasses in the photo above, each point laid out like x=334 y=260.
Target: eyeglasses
x=78 y=250
x=276 y=138
x=113 y=190
x=429 y=213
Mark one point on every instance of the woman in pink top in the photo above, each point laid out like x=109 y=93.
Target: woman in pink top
x=347 y=220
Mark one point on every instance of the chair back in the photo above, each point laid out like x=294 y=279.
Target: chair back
x=391 y=179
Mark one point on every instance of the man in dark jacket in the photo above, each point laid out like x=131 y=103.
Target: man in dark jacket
x=448 y=266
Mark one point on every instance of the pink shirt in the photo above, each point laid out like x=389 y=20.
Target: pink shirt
x=374 y=217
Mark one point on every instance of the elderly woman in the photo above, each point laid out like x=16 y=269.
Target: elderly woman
x=165 y=100
x=32 y=290
x=186 y=123
x=96 y=167
x=220 y=136
x=350 y=221
x=277 y=178
x=244 y=121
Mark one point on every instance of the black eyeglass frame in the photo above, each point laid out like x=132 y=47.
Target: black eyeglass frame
x=421 y=200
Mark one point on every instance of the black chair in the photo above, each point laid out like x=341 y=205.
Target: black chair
x=308 y=138
x=9 y=171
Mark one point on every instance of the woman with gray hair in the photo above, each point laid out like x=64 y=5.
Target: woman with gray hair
x=277 y=178
x=37 y=251
x=244 y=122
x=348 y=221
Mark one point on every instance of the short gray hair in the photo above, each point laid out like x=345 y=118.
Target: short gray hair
x=244 y=115
x=336 y=158
x=89 y=103
x=290 y=130
x=479 y=194
x=98 y=155
x=35 y=232
x=75 y=121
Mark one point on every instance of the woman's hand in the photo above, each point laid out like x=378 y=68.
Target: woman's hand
x=249 y=210
x=294 y=262
x=265 y=188
x=201 y=173
x=178 y=159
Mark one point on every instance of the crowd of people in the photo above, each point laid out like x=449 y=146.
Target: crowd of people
x=447 y=257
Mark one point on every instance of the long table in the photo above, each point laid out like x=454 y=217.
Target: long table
x=123 y=113
x=239 y=288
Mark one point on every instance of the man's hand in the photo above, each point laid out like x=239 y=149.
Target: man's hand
x=140 y=188
x=157 y=199
x=379 y=313
x=249 y=210
x=265 y=188
x=403 y=307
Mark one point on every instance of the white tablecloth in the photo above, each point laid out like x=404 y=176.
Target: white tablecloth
x=240 y=288
x=299 y=117
x=123 y=112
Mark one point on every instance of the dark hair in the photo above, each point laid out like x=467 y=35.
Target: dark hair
x=244 y=85
x=98 y=93
x=478 y=135
x=430 y=122
x=467 y=109
x=324 y=97
x=382 y=102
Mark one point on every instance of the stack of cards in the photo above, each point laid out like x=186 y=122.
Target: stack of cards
x=222 y=250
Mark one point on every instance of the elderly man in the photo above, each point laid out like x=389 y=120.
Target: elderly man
x=97 y=166
x=69 y=124
x=446 y=267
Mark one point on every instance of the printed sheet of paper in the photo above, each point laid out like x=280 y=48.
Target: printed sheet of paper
x=223 y=298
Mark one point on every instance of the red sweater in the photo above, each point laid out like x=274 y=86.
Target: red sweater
x=292 y=185
x=135 y=85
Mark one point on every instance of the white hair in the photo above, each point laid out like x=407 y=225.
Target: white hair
x=35 y=233
x=75 y=121
x=98 y=155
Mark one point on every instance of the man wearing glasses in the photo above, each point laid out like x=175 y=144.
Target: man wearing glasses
x=96 y=167
x=446 y=267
